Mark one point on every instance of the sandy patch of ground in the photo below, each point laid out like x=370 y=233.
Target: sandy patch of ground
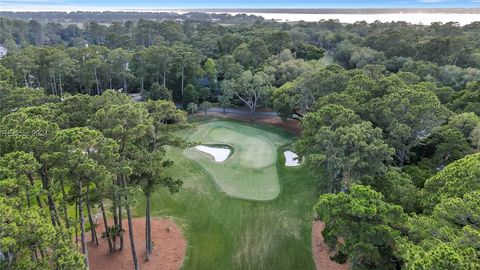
x=321 y=253
x=168 y=253
x=291 y=159
x=219 y=154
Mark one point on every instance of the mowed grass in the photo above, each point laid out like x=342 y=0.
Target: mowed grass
x=231 y=233
x=250 y=172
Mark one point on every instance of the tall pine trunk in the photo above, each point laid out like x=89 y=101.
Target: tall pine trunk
x=96 y=80
x=150 y=244
x=107 y=231
x=110 y=76
x=79 y=83
x=76 y=221
x=120 y=214
x=148 y=229
x=65 y=203
x=401 y=157
x=25 y=78
x=141 y=85
x=39 y=201
x=115 y=219
x=60 y=85
x=183 y=79
x=53 y=83
x=130 y=229
x=82 y=225
x=50 y=201
x=90 y=218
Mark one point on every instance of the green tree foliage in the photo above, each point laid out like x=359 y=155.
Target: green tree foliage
x=30 y=241
x=368 y=232
x=301 y=94
x=441 y=256
x=204 y=106
x=455 y=180
x=466 y=100
x=6 y=75
x=228 y=68
x=22 y=97
x=76 y=110
x=227 y=88
x=371 y=94
x=398 y=188
x=79 y=150
x=475 y=138
x=158 y=91
x=210 y=69
x=252 y=89
x=27 y=238
x=191 y=94
x=447 y=238
x=447 y=144
x=23 y=167
x=406 y=116
x=336 y=140
x=309 y=52
x=445 y=50
x=192 y=108
x=284 y=101
x=361 y=227
x=118 y=60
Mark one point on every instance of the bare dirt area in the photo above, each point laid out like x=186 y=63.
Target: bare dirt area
x=321 y=253
x=168 y=253
x=291 y=125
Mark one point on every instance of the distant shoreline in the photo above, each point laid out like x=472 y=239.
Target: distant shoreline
x=413 y=18
x=420 y=16
x=335 y=10
x=269 y=10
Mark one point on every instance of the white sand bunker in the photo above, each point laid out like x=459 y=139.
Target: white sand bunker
x=291 y=159
x=219 y=153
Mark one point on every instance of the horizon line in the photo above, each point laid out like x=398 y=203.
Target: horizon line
x=231 y=9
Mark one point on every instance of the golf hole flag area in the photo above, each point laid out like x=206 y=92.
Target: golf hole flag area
x=249 y=171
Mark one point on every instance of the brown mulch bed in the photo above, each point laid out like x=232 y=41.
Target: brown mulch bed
x=291 y=125
x=168 y=253
x=321 y=253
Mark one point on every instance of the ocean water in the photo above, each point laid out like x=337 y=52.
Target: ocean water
x=414 y=18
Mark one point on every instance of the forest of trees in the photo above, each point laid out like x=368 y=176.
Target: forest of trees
x=110 y=16
x=391 y=128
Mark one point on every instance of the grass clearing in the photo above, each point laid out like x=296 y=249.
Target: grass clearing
x=230 y=233
x=250 y=172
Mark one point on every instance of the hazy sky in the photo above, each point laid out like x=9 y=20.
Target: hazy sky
x=145 y=4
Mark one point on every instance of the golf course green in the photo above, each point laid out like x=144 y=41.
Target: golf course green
x=247 y=212
x=250 y=172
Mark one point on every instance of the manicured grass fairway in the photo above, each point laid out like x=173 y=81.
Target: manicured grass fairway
x=224 y=232
x=250 y=172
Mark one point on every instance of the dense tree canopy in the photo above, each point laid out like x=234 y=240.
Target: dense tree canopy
x=390 y=118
